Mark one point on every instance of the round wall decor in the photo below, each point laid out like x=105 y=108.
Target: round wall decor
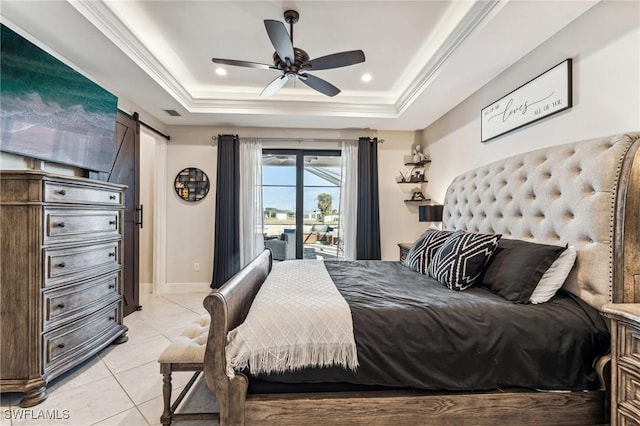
x=192 y=184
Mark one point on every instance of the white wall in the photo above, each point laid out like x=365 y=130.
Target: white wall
x=605 y=46
x=190 y=226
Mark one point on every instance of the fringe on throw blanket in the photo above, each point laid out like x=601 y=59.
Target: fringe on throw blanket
x=296 y=357
x=298 y=319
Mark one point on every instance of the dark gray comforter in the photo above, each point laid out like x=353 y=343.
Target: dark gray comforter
x=413 y=332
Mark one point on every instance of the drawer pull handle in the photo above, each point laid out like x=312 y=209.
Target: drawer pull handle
x=112 y=254
x=60 y=225
x=112 y=222
x=112 y=286
x=112 y=318
x=112 y=197
x=61 y=305
x=61 y=345
x=62 y=192
x=61 y=265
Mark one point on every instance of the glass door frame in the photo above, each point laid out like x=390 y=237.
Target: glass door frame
x=300 y=154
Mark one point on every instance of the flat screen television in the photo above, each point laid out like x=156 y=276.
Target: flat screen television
x=51 y=112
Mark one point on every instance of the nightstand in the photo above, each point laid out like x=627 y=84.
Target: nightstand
x=625 y=362
x=404 y=250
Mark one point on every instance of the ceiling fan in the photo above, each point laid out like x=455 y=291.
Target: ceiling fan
x=293 y=62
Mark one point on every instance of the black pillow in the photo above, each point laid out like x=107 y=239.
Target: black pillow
x=424 y=248
x=459 y=262
x=517 y=266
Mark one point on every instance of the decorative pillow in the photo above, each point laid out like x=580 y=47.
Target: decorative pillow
x=517 y=266
x=424 y=248
x=460 y=260
x=555 y=276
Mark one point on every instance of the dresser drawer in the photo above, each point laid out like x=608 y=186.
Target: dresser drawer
x=63 y=225
x=404 y=250
x=70 y=302
x=77 y=262
x=629 y=344
x=80 y=336
x=80 y=194
x=629 y=387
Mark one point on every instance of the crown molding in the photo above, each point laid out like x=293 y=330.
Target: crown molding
x=109 y=23
x=300 y=108
x=476 y=15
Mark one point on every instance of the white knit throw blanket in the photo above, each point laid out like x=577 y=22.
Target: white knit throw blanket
x=298 y=319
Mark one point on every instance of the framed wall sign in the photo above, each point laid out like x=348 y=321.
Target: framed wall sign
x=545 y=95
x=191 y=184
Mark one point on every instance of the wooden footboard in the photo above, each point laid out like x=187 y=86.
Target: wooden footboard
x=228 y=307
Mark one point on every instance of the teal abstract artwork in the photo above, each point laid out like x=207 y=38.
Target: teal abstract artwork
x=51 y=112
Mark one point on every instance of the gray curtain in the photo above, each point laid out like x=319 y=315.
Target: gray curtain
x=226 y=250
x=368 y=216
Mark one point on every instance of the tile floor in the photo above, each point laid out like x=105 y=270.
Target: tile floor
x=123 y=384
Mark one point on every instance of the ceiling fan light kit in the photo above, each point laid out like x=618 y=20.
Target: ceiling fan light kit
x=293 y=62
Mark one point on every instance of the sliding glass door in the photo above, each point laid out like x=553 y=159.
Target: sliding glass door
x=301 y=197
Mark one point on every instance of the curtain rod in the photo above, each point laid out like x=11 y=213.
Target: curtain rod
x=300 y=140
x=135 y=116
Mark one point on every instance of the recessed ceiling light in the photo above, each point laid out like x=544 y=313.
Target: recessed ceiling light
x=221 y=71
x=366 y=77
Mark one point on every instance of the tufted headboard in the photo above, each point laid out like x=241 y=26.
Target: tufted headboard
x=585 y=194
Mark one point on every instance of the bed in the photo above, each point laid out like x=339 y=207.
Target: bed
x=584 y=194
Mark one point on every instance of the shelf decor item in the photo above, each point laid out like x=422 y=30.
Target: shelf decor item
x=192 y=184
x=545 y=95
x=417 y=196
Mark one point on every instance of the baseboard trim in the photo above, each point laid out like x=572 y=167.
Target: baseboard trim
x=146 y=288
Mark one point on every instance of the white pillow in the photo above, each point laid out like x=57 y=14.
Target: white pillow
x=555 y=276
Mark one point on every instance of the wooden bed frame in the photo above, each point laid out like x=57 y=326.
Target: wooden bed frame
x=230 y=304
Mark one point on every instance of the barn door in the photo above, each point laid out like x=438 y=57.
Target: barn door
x=126 y=170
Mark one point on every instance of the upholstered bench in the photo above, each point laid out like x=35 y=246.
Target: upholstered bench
x=186 y=353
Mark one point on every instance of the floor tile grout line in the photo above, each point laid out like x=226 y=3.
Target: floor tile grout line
x=129 y=396
x=180 y=304
x=117 y=414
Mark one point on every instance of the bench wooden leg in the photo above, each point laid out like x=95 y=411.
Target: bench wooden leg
x=169 y=412
x=165 y=369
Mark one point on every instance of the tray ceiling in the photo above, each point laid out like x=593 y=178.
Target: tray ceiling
x=424 y=57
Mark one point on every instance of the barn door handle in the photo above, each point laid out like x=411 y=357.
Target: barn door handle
x=140 y=211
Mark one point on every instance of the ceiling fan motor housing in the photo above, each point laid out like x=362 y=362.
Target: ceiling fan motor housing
x=300 y=57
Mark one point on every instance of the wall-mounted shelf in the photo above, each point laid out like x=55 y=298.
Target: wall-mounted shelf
x=414 y=174
x=418 y=164
x=413 y=183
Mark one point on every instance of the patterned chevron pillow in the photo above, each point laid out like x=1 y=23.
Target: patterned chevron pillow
x=459 y=262
x=424 y=248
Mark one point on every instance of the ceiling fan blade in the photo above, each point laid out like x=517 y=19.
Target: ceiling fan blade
x=243 y=64
x=274 y=86
x=319 y=84
x=335 y=60
x=280 y=39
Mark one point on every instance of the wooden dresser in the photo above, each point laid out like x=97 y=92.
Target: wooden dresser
x=625 y=364
x=60 y=290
